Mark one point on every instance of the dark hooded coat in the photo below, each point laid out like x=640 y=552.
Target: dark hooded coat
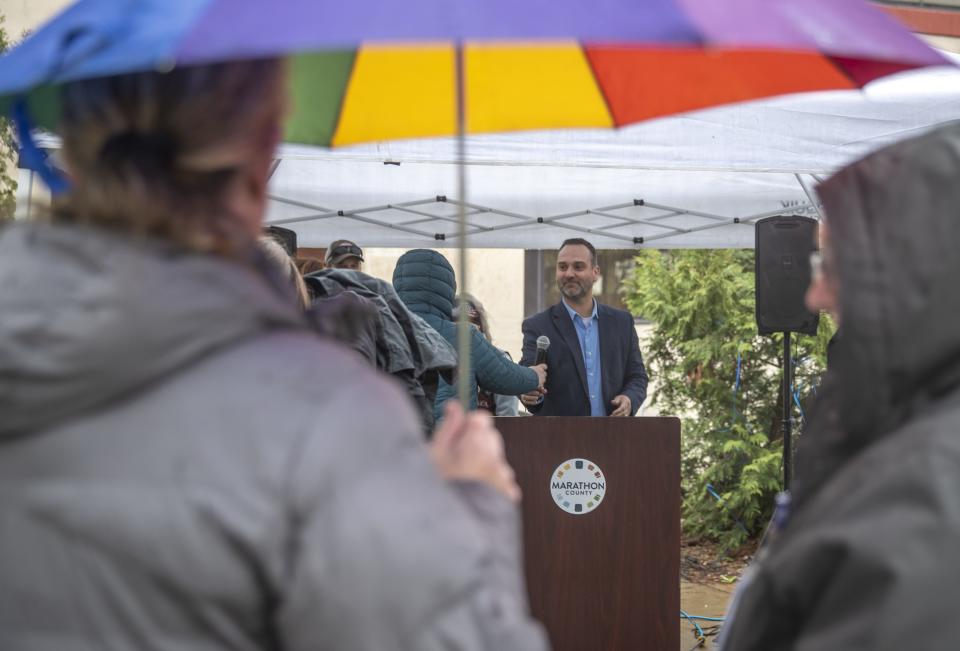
x=868 y=558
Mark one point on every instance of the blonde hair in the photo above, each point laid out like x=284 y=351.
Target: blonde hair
x=156 y=153
x=284 y=265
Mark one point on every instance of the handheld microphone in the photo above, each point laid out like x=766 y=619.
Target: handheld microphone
x=543 y=342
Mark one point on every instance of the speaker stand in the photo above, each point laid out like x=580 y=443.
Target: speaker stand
x=787 y=408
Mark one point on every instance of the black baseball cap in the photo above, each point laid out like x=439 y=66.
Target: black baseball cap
x=340 y=250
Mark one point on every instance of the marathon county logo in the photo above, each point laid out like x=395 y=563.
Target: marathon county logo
x=578 y=486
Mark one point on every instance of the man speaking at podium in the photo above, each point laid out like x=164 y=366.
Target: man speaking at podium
x=593 y=355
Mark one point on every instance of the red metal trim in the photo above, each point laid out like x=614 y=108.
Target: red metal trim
x=937 y=22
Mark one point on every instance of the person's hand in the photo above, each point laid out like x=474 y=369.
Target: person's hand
x=622 y=406
x=469 y=447
x=533 y=398
x=541 y=370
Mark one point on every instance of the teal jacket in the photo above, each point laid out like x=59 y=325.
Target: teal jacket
x=425 y=282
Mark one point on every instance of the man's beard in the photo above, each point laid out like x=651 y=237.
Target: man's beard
x=567 y=290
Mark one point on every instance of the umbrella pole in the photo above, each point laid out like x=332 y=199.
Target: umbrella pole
x=463 y=325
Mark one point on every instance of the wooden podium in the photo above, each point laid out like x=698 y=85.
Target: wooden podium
x=609 y=578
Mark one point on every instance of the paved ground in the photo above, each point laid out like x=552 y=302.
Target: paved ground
x=708 y=599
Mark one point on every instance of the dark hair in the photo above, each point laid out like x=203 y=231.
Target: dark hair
x=579 y=241
x=476 y=314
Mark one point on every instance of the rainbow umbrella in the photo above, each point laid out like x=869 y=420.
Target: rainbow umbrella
x=369 y=70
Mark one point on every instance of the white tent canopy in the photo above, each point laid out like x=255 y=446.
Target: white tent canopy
x=697 y=180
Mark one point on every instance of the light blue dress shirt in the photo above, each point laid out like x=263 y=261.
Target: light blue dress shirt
x=588 y=332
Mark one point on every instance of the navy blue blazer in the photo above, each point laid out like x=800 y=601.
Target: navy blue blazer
x=621 y=364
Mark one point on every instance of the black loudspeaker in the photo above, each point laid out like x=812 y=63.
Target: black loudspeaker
x=783 y=249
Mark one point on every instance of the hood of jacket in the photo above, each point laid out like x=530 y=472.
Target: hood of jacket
x=88 y=317
x=425 y=282
x=894 y=234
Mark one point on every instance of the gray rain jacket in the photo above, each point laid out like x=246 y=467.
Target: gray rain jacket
x=869 y=558
x=183 y=465
x=405 y=345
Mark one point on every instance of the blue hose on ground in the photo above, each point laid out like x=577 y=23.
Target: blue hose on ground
x=702 y=617
x=698 y=631
x=696 y=627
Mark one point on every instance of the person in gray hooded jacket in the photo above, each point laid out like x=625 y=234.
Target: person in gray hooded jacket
x=184 y=463
x=867 y=559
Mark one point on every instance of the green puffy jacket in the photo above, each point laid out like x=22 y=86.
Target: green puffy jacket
x=424 y=280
